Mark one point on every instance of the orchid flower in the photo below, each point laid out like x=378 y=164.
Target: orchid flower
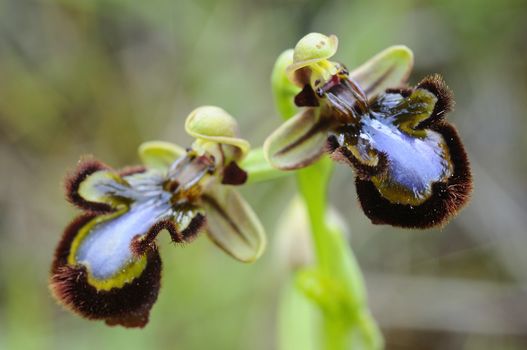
x=107 y=265
x=410 y=165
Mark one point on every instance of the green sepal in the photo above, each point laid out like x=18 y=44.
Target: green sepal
x=390 y=68
x=232 y=224
x=284 y=90
x=298 y=142
x=159 y=154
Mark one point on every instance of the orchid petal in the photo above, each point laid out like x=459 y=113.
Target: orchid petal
x=412 y=170
x=95 y=187
x=388 y=69
x=103 y=246
x=104 y=186
x=446 y=198
x=298 y=142
x=95 y=272
x=232 y=224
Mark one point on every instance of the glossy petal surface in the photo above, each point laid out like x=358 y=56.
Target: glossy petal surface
x=415 y=158
x=106 y=248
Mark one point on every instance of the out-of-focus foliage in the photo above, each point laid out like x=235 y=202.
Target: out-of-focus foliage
x=103 y=76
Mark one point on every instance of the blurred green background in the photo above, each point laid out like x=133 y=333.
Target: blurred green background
x=101 y=76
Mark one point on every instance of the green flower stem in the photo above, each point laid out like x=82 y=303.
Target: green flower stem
x=258 y=169
x=312 y=185
x=340 y=292
x=311 y=182
x=351 y=322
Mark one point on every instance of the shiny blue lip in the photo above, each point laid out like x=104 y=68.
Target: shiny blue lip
x=415 y=158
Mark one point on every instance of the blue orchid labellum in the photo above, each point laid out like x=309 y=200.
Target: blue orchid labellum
x=410 y=165
x=106 y=265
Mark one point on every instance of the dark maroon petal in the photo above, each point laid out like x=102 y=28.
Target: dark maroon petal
x=445 y=201
x=233 y=175
x=141 y=244
x=85 y=168
x=306 y=97
x=191 y=231
x=128 y=305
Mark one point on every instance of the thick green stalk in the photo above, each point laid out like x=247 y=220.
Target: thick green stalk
x=346 y=321
x=312 y=185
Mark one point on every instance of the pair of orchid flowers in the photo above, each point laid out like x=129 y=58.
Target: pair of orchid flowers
x=410 y=166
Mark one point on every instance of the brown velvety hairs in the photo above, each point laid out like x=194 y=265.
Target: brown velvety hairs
x=85 y=168
x=128 y=306
x=140 y=245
